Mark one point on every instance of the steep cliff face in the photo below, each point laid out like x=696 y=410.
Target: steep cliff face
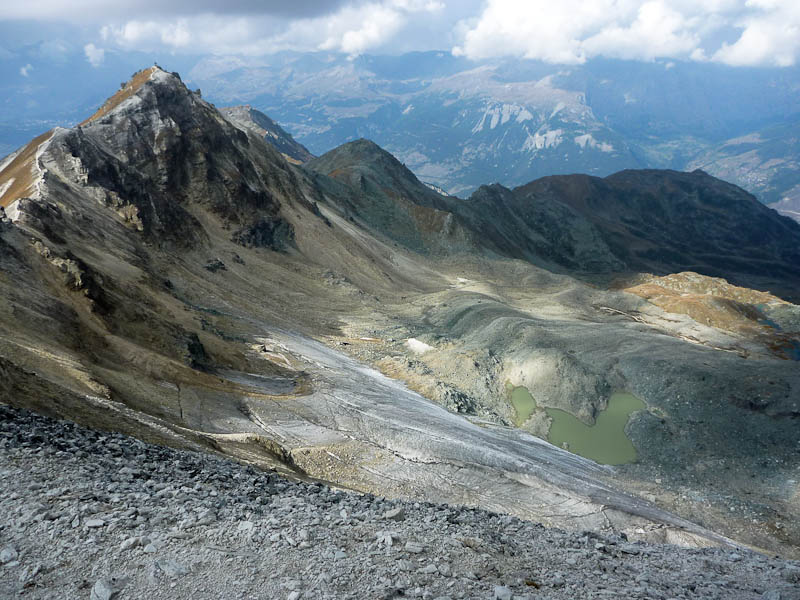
x=155 y=176
x=162 y=150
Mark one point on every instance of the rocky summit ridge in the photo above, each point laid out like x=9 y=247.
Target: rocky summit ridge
x=168 y=274
x=261 y=124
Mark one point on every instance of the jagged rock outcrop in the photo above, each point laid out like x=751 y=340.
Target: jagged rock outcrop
x=260 y=124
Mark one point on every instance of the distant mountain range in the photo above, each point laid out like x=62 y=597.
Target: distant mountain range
x=459 y=124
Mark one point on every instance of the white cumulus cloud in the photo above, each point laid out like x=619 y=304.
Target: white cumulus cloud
x=352 y=28
x=94 y=54
x=770 y=36
x=755 y=32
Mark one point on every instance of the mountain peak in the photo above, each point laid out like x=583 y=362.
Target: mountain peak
x=127 y=90
x=153 y=153
x=362 y=154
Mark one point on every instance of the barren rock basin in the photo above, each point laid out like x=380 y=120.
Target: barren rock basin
x=604 y=442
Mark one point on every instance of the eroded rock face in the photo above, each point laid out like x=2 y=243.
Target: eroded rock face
x=373 y=188
x=266 y=232
x=164 y=150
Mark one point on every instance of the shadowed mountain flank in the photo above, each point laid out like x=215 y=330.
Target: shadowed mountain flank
x=652 y=221
x=371 y=185
x=633 y=221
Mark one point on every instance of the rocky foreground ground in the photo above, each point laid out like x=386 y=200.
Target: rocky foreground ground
x=86 y=514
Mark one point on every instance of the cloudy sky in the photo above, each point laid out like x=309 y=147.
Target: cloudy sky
x=733 y=32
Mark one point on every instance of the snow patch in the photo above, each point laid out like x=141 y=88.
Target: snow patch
x=417 y=347
x=586 y=140
x=4 y=187
x=523 y=116
x=559 y=107
x=543 y=139
x=12 y=211
x=500 y=114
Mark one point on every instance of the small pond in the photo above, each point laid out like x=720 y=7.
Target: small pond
x=523 y=403
x=604 y=442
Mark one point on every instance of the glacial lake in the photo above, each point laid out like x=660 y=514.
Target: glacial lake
x=604 y=442
x=523 y=404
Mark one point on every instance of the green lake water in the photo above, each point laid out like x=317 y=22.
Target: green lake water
x=604 y=442
x=523 y=404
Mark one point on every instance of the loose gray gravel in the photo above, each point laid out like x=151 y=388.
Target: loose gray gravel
x=86 y=514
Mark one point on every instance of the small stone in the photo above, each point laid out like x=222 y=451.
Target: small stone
x=791 y=574
x=95 y=523
x=150 y=549
x=170 y=568
x=429 y=570
x=293 y=595
x=245 y=526
x=414 y=547
x=502 y=592
x=396 y=514
x=385 y=537
x=215 y=265
x=133 y=542
x=8 y=554
x=103 y=590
